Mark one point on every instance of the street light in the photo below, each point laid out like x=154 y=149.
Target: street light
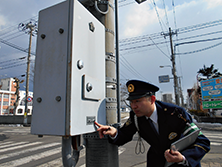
x=165 y=66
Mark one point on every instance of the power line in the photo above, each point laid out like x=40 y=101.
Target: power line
x=132 y=68
x=204 y=40
x=12 y=66
x=199 y=50
x=144 y=38
x=6 y=61
x=179 y=31
x=158 y=16
x=174 y=14
x=15 y=46
x=167 y=22
x=129 y=69
x=200 y=26
x=160 y=49
x=14 y=27
x=126 y=4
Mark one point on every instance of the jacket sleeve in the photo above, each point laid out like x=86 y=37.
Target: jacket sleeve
x=201 y=146
x=126 y=132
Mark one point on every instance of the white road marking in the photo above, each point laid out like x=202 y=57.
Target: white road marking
x=28 y=159
x=14 y=144
x=29 y=150
x=21 y=146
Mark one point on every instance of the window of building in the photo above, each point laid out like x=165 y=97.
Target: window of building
x=20 y=111
x=4 y=111
x=29 y=103
x=5 y=103
x=6 y=96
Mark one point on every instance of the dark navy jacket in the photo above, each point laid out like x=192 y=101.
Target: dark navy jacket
x=170 y=122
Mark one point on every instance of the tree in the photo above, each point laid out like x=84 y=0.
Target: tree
x=209 y=72
x=17 y=81
x=123 y=96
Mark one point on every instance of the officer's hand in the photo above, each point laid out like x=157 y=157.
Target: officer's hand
x=173 y=156
x=106 y=130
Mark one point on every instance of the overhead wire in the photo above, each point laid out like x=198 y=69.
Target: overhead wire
x=158 y=16
x=174 y=14
x=160 y=49
x=164 y=6
x=200 y=26
x=17 y=59
x=12 y=66
x=129 y=69
x=9 y=64
x=132 y=68
x=179 y=31
x=155 y=7
x=15 y=27
x=199 y=50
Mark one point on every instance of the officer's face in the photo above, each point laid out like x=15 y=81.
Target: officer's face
x=142 y=106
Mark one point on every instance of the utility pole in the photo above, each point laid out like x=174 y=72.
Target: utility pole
x=181 y=93
x=176 y=91
x=96 y=147
x=31 y=29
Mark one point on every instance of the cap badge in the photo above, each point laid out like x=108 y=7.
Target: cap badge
x=172 y=135
x=130 y=88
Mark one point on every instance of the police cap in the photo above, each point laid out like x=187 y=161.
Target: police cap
x=138 y=89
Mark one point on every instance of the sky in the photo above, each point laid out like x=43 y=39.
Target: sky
x=143 y=38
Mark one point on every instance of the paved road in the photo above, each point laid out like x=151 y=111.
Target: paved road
x=18 y=148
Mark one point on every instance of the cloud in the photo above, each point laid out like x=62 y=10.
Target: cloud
x=213 y=3
x=140 y=17
x=2 y=22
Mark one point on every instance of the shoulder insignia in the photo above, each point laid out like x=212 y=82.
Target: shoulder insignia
x=172 y=135
x=128 y=122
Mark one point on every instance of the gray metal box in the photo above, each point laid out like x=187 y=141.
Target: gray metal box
x=69 y=83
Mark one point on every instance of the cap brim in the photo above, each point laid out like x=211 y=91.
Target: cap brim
x=135 y=97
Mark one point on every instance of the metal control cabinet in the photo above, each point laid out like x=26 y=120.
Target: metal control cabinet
x=69 y=83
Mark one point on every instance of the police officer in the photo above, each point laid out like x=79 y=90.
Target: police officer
x=159 y=124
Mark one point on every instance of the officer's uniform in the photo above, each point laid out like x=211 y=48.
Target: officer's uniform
x=173 y=121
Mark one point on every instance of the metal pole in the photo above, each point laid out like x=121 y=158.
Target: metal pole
x=117 y=60
x=174 y=70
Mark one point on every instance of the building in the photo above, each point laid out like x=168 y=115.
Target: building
x=8 y=98
x=21 y=107
x=167 y=98
x=7 y=95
